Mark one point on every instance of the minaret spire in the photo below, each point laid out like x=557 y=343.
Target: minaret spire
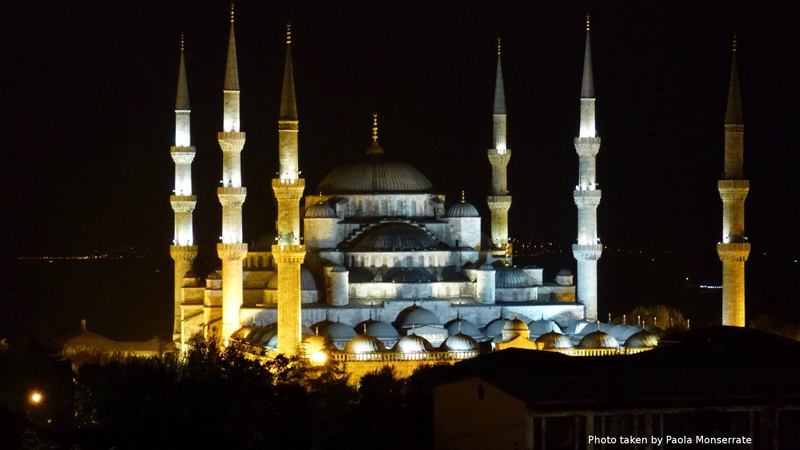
x=586 y=195
x=288 y=254
x=499 y=201
x=232 y=250
x=375 y=148
x=183 y=250
x=733 y=250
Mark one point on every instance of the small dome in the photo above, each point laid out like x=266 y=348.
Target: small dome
x=486 y=266
x=463 y=209
x=338 y=268
x=623 y=331
x=553 y=340
x=495 y=327
x=320 y=211
x=409 y=275
x=655 y=330
x=412 y=344
x=543 y=326
x=577 y=326
x=214 y=276
x=393 y=236
x=307 y=282
x=418 y=316
x=364 y=343
x=595 y=326
x=515 y=325
x=190 y=274
x=382 y=330
x=315 y=344
x=459 y=343
x=564 y=273
x=598 y=339
x=461 y=326
x=511 y=277
x=642 y=339
x=338 y=331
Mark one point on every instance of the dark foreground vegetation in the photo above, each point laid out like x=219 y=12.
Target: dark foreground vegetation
x=213 y=397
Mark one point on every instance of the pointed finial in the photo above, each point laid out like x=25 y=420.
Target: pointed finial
x=375 y=126
x=498 y=46
x=588 y=22
x=462 y=197
x=598 y=325
x=181 y=41
x=288 y=32
x=316 y=331
x=231 y=12
x=734 y=41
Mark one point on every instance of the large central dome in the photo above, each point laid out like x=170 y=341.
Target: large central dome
x=372 y=174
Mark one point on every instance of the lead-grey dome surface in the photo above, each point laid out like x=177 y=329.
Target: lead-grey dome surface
x=382 y=330
x=412 y=344
x=460 y=343
x=598 y=339
x=393 y=236
x=543 y=326
x=554 y=341
x=409 y=275
x=338 y=331
x=374 y=173
x=511 y=277
x=495 y=327
x=418 y=316
x=461 y=326
x=642 y=339
x=463 y=209
x=364 y=344
x=321 y=211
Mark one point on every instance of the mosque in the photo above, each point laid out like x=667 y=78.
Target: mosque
x=381 y=266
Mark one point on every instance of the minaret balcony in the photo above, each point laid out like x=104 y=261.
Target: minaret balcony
x=499 y=202
x=499 y=157
x=183 y=203
x=232 y=251
x=231 y=141
x=587 y=146
x=182 y=154
x=288 y=253
x=733 y=190
x=586 y=198
x=588 y=252
x=288 y=188
x=735 y=251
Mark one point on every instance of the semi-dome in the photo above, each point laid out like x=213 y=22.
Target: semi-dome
x=463 y=209
x=364 y=343
x=459 y=343
x=338 y=331
x=598 y=339
x=461 y=326
x=374 y=173
x=642 y=339
x=412 y=344
x=417 y=316
x=320 y=211
x=409 y=275
x=554 y=341
x=511 y=277
x=543 y=326
x=307 y=282
x=382 y=330
x=623 y=331
x=495 y=327
x=393 y=236
x=577 y=326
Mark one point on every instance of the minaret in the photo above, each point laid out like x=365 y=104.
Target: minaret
x=288 y=253
x=499 y=200
x=586 y=195
x=733 y=250
x=231 y=195
x=183 y=250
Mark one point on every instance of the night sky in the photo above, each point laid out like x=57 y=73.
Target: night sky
x=89 y=94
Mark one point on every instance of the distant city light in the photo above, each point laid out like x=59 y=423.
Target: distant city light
x=36 y=398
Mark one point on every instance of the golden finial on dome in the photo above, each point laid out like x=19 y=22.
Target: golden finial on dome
x=734 y=41
x=587 y=22
x=375 y=126
x=498 y=46
x=231 y=12
x=462 y=197
x=181 y=41
x=288 y=32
